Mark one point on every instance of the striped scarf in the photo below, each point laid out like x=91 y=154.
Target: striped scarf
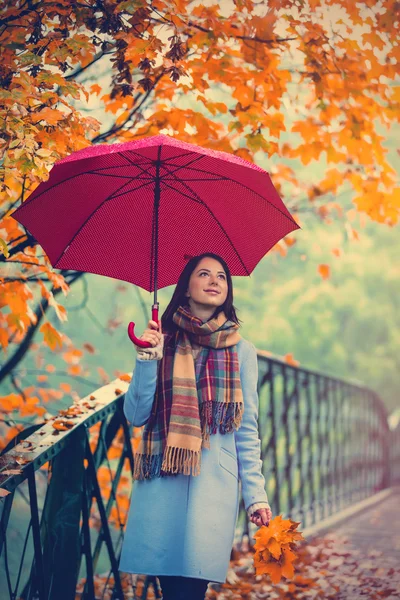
x=191 y=401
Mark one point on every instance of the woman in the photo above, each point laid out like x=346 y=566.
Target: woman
x=195 y=392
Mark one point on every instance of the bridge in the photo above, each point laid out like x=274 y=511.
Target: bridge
x=328 y=449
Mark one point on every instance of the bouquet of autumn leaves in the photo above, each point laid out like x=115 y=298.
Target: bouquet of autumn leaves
x=274 y=548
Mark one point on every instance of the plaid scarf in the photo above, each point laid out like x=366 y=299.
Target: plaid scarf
x=191 y=401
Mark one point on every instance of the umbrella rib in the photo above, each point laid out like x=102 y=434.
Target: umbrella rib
x=86 y=220
x=115 y=194
x=178 y=156
x=247 y=188
x=164 y=159
x=172 y=172
x=152 y=162
x=200 y=201
x=198 y=179
x=202 y=171
x=136 y=165
x=200 y=156
x=69 y=179
x=186 y=166
x=118 y=193
x=99 y=172
x=197 y=158
x=130 y=177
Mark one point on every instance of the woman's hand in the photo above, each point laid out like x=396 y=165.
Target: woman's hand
x=262 y=516
x=155 y=338
x=152 y=334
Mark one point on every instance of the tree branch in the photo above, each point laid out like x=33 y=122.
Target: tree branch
x=235 y=37
x=97 y=57
x=31 y=278
x=114 y=129
x=28 y=243
x=25 y=344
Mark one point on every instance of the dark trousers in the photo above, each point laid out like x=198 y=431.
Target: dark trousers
x=182 y=588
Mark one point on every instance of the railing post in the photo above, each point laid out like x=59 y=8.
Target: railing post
x=61 y=520
x=37 y=579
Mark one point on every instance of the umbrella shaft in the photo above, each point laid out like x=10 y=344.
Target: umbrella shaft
x=157 y=195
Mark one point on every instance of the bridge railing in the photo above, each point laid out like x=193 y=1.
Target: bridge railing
x=326 y=442
x=66 y=484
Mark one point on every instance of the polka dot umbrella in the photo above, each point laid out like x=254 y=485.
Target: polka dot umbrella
x=135 y=211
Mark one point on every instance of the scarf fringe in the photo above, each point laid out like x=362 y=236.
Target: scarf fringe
x=220 y=416
x=182 y=460
x=146 y=466
x=175 y=460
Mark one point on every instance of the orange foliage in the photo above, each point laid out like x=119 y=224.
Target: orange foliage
x=274 y=548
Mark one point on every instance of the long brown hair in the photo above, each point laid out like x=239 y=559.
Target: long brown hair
x=179 y=298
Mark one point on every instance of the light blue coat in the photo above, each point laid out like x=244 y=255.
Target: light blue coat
x=185 y=525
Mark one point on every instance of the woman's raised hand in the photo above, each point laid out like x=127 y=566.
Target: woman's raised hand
x=153 y=334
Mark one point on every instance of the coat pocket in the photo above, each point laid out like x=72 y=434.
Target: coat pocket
x=228 y=462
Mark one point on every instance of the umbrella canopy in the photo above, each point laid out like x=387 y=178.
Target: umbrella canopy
x=134 y=211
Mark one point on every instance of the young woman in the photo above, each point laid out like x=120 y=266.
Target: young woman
x=195 y=392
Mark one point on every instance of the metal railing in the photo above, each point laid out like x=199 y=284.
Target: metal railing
x=325 y=444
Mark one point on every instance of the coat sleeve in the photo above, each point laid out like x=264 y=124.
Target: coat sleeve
x=248 y=445
x=139 y=396
x=254 y=507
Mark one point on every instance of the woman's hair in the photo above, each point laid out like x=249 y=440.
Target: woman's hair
x=179 y=298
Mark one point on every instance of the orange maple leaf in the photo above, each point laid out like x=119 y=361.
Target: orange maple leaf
x=50 y=115
x=274 y=548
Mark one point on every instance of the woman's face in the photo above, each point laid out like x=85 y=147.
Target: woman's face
x=209 y=274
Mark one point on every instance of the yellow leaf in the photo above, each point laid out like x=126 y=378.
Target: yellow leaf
x=51 y=336
x=4 y=248
x=60 y=310
x=44 y=152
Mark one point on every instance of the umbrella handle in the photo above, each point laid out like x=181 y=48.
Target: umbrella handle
x=137 y=341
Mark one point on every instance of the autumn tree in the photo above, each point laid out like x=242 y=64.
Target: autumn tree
x=238 y=65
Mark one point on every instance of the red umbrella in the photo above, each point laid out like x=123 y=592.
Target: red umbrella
x=134 y=211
